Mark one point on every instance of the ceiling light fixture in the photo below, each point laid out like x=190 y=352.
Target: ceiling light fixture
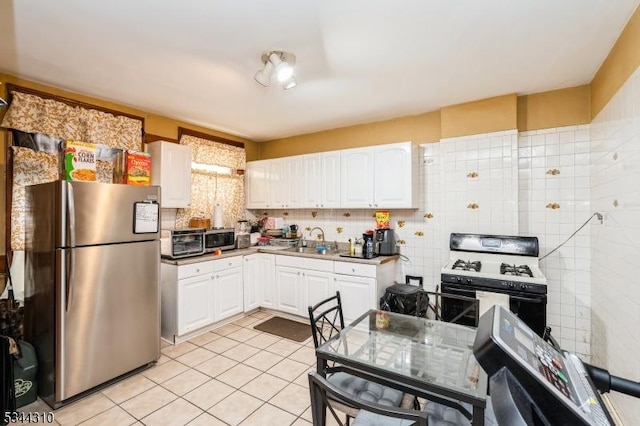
x=280 y=64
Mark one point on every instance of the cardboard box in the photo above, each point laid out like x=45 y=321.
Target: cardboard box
x=137 y=168
x=78 y=161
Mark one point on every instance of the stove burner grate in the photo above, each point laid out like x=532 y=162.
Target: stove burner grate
x=521 y=270
x=467 y=265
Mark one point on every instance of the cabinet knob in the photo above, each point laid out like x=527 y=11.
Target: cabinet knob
x=353 y=269
x=197 y=270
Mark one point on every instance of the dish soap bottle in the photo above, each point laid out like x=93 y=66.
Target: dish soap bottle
x=304 y=241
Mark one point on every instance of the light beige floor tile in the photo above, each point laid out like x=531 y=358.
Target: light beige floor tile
x=236 y=407
x=226 y=329
x=162 y=360
x=303 y=379
x=305 y=355
x=261 y=315
x=164 y=344
x=148 y=402
x=262 y=340
x=204 y=338
x=247 y=321
x=263 y=360
x=206 y=419
x=221 y=345
x=83 y=410
x=186 y=382
x=293 y=398
x=128 y=388
x=162 y=373
x=307 y=415
x=209 y=394
x=216 y=366
x=177 y=413
x=283 y=347
x=239 y=375
x=113 y=416
x=195 y=357
x=241 y=352
x=288 y=369
x=268 y=415
x=177 y=350
x=301 y=422
x=264 y=386
x=243 y=334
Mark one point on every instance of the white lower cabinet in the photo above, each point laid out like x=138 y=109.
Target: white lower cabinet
x=319 y=286
x=199 y=294
x=227 y=288
x=301 y=282
x=289 y=286
x=361 y=286
x=195 y=303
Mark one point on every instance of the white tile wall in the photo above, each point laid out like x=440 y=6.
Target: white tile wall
x=615 y=245
x=553 y=168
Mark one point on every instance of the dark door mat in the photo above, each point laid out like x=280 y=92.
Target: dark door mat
x=288 y=329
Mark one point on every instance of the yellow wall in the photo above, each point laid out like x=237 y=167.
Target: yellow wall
x=483 y=116
x=556 y=108
x=622 y=61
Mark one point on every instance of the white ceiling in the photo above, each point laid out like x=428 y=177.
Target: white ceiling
x=358 y=61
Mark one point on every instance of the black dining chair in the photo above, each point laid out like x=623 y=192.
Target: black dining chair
x=327 y=398
x=327 y=320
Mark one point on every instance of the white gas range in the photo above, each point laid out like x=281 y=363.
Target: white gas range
x=499 y=264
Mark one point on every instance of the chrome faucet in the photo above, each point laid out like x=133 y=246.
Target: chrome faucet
x=321 y=233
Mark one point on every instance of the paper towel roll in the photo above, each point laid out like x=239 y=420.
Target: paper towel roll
x=217 y=216
x=487 y=299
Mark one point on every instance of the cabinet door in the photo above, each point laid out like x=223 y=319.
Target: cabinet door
x=312 y=197
x=195 y=303
x=250 y=276
x=171 y=169
x=319 y=286
x=356 y=177
x=266 y=280
x=357 y=295
x=280 y=172
x=393 y=176
x=289 y=286
x=257 y=181
x=330 y=178
x=227 y=293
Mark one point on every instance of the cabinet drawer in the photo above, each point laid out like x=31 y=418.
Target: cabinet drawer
x=352 y=268
x=230 y=262
x=185 y=271
x=292 y=261
x=319 y=265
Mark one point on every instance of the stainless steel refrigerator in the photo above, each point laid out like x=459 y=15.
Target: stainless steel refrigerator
x=92 y=264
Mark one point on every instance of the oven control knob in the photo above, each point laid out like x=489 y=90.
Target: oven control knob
x=523 y=286
x=459 y=279
x=469 y=280
x=511 y=285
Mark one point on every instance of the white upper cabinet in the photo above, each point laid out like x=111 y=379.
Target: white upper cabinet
x=171 y=169
x=321 y=180
x=382 y=176
x=258 y=184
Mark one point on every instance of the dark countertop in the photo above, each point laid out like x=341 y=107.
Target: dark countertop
x=281 y=251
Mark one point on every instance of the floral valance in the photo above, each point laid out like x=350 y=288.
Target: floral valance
x=214 y=153
x=32 y=114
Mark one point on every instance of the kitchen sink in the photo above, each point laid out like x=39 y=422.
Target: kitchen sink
x=312 y=250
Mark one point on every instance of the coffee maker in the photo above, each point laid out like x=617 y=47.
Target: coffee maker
x=385 y=242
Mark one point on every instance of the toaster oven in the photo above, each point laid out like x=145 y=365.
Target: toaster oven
x=179 y=243
x=219 y=239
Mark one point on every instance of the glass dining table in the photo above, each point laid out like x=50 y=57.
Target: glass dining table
x=427 y=358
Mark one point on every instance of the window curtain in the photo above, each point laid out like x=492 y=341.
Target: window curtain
x=34 y=115
x=208 y=188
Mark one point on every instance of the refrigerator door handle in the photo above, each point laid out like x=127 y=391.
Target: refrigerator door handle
x=71 y=212
x=69 y=276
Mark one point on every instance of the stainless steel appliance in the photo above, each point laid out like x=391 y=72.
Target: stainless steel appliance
x=496 y=264
x=219 y=239
x=182 y=242
x=385 y=242
x=92 y=299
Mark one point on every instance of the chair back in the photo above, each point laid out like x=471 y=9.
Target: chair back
x=326 y=398
x=326 y=319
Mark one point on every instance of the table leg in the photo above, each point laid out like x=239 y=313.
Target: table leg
x=478 y=416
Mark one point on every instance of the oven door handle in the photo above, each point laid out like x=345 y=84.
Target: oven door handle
x=527 y=299
x=460 y=289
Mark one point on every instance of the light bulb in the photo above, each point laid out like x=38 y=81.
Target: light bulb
x=284 y=72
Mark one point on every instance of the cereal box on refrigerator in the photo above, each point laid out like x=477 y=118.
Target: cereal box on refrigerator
x=137 y=168
x=78 y=161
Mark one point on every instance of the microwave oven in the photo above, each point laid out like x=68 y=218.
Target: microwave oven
x=219 y=239
x=179 y=243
